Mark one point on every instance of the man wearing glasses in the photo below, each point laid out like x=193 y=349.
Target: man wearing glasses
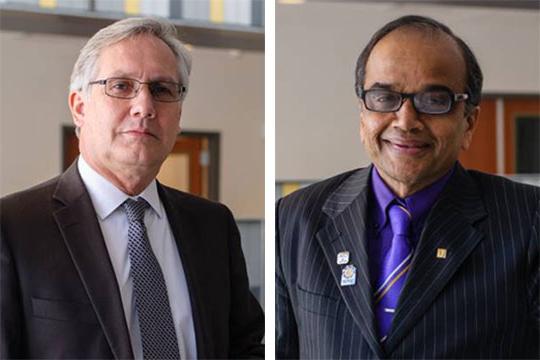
x=414 y=256
x=103 y=261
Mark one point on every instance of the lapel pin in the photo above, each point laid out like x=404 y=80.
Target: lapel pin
x=348 y=275
x=441 y=253
x=343 y=258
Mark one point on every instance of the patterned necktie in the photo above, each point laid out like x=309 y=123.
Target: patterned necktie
x=394 y=272
x=149 y=290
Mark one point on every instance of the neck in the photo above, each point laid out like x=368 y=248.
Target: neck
x=405 y=189
x=400 y=189
x=131 y=183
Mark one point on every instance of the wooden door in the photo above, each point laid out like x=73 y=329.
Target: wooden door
x=482 y=154
x=507 y=138
x=184 y=168
x=522 y=136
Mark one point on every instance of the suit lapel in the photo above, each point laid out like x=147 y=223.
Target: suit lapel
x=346 y=231
x=82 y=235
x=449 y=226
x=182 y=229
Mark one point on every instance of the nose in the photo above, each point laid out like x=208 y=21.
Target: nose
x=407 y=118
x=142 y=105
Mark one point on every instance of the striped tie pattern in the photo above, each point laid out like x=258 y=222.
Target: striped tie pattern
x=395 y=267
x=158 y=335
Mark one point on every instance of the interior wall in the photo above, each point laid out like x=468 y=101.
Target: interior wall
x=226 y=96
x=317 y=44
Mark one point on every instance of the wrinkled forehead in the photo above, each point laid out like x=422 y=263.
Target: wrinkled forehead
x=136 y=56
x=413 y=57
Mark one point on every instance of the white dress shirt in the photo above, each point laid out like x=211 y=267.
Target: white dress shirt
x=107 y=199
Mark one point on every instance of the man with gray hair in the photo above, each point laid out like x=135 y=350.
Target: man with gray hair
x=105 y=262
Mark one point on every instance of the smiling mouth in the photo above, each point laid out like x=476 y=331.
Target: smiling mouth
x=408 y=147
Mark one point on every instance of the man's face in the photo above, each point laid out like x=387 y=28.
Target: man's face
x=409 y=149
x=128 y=134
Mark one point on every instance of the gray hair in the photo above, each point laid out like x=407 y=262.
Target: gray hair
x=85 y=66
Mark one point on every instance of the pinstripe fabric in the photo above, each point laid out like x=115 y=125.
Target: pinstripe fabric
x=481 y=301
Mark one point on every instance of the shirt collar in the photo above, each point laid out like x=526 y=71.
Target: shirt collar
x=418 y=203
x=106 y=197
x=383 y=195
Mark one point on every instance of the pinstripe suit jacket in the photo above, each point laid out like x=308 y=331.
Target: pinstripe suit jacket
x=481 y=301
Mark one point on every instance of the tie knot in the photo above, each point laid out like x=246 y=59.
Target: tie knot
x=400 y=218
x=135 y=209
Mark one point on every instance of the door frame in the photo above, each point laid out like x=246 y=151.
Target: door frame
x=504 y=144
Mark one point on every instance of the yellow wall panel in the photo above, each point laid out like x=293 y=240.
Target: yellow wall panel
x=48 y=3
x=217 y=11
x=288 y=188
x=132 y=7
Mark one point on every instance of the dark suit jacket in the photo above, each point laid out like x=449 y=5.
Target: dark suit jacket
x=59 y=295
x=482 y=301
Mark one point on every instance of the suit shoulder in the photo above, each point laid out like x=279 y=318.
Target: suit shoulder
x=501 y=195
x=193 y=202
x=25 y=211
x=497 y=186
x=313 y=196
x=33 y=197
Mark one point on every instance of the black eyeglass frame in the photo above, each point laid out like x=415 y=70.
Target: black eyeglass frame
x=182 y=90
x=454 y=98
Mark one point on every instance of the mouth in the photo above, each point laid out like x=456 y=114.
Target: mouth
x=407 y=147
x=140 y=133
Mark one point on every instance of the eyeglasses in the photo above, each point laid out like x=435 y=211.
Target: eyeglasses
x=125 y=88
x=432 y=102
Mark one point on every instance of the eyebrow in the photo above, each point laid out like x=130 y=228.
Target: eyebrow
x=437 y=87
x=382 y=86
x=428 y=87
x=130 y=76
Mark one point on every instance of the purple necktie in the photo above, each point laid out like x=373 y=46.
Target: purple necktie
x=394 y=272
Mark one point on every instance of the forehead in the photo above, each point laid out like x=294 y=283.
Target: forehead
x=144 y=57
x=411 y=59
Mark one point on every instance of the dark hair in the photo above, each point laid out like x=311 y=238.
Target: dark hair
x=474 y=74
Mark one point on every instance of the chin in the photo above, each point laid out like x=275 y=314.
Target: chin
x=402 y=171
x=405 y=178
x=140 y=159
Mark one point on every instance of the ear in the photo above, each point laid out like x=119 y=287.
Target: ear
x=76 y=103
x=471 y=123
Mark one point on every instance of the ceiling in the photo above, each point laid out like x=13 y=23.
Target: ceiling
x=514 y=4
x=16 y=17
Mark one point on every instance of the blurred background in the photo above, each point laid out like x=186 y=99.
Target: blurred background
x=317 y=117
x=220 y=153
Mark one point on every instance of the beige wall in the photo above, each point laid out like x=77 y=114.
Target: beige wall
x=316 y=49
x=226 y=96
